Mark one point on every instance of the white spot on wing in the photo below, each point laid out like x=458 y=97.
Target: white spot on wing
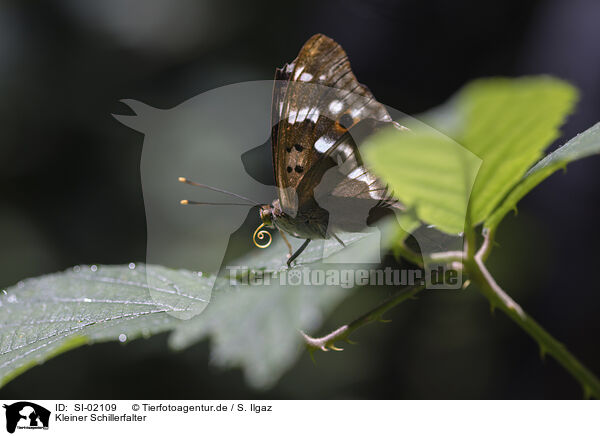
x=356 y=112
x=324 y=143
x=298 y=72
x=356 y=173
x=306 y=77
x=346 y=150
x=292 y=117
x=314 y=116
x=361 y=174
x=335 y=106
x=377 y=195
x=302 y=113
x=322 y=77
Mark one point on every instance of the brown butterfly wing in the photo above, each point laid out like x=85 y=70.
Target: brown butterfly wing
x=341 y=184
x=320 y=116
x=352 y=178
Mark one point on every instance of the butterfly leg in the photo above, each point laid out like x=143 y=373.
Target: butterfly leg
x=339 y=240
x=297 y=253
x=289 y=246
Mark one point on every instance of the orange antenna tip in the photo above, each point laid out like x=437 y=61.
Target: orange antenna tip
x=182 y=179
x=184 y=202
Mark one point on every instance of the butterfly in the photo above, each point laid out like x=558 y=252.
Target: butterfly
x=320 y=115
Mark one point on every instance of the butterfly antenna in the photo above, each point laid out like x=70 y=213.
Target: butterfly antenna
x=212 y=188
x=186 y=202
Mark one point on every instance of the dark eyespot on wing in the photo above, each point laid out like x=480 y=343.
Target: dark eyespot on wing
x=298 y=169
x=346 y=121
x=298 y=147
x=289 y=169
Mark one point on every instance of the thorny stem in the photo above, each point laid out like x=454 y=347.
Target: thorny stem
x=548 y=344
x=487 y=245
x=328 y=341
x=473 y=264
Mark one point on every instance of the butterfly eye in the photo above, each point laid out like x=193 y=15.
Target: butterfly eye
x=346 y=120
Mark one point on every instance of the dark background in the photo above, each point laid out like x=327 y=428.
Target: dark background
x=70 y=190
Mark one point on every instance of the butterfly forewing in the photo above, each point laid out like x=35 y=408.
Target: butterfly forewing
x=318 y=108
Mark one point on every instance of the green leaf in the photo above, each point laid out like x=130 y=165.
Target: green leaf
x=507 y=123
x=43 y=317
x=429 y=172
x=583 y=145
x=49 y=315
x=257 y=327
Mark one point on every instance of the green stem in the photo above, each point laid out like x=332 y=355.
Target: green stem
x=474 y=264
x=488 y=243
x=548 y=345
x=328 y=341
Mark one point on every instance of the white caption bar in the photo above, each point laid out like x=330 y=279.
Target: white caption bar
x=300 y=417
